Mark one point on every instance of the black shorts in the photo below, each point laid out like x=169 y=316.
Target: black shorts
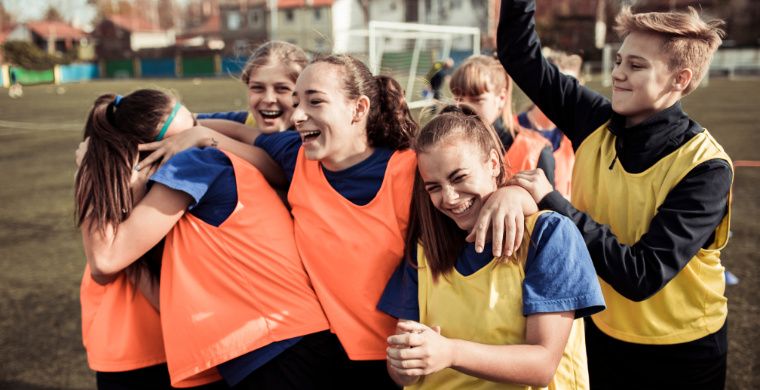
x=696 y=365
x=148 y=378
x=318 y=362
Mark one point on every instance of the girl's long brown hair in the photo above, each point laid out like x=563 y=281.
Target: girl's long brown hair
x=103 y=192
x=439 y=235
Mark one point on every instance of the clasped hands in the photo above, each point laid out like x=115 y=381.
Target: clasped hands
x=417 y=349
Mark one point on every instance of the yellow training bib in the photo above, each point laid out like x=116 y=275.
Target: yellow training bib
x=692 y=305
x=486 y=308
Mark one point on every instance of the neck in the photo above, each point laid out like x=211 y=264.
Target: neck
x=339 y=163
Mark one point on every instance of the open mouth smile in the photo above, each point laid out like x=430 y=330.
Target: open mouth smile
x=270 y=114
x=463 y=208
x=308 y=136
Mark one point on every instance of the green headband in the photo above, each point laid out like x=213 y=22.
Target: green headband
x=168 y=121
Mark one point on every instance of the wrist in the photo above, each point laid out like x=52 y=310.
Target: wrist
x=452 y=347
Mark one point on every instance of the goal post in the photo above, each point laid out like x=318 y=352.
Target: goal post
x=409 y=50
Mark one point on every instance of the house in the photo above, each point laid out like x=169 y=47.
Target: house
x=208 y=35
x=52 y=37
x=121 y=35
x=243 y=25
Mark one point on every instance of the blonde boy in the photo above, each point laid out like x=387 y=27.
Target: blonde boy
x=650 y=196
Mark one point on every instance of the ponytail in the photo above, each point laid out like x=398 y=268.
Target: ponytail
x=103 y=193
x=390 y=123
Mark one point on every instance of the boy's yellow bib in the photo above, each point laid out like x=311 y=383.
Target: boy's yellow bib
x=250 y=121
x=692 y=305
x=486 y=308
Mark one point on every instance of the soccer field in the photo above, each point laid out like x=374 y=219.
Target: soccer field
x=42 y=259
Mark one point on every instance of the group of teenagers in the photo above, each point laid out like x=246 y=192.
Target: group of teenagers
x=322 y=239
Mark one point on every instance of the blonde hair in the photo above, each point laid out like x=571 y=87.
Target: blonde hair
x=279 y=53
x=689 y=40
x=566 y=62
x=480 y=74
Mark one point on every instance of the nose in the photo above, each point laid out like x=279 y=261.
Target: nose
x=269 y=96
x=450 y=195
x=299 y=116
x=617 y=73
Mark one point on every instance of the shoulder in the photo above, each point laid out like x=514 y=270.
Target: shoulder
x=194 y=157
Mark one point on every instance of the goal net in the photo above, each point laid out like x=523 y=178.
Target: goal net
x=408 y=51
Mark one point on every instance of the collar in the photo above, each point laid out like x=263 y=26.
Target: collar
x=641 y=146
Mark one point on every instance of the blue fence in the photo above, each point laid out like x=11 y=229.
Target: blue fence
x=79 y=72
x=161 y=67
x=233 y=65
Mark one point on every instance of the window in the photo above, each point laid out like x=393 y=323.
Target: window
x=255 y=18
x=234 y=20
x=317 y=14
x=289 y=17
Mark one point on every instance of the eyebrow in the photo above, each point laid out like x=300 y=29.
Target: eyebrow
x=451 y=175
x=309 y=92
x=634 y=56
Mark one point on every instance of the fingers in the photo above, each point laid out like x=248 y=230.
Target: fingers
x=152 y=158
x=406 y=364
x=511 y=232
x=519 y=229
x=149 y=146
x=407 y=339
x=481 y=229
x=412 y=326
x=437 y=329
x=404 y=353
x=498 y=233
x=408 y=372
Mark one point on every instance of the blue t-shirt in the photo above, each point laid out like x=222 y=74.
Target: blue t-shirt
x=554 y=136
x=237 y=116
x=208 y=176
x=359 y=183
x=559 y=274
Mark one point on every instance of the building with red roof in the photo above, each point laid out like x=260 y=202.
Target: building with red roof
x=49 y=36
x=121 y=35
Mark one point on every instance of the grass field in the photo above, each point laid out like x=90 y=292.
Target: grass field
x=42 y=260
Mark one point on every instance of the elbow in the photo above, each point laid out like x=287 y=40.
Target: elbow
x=544 y=378
x=101 y=270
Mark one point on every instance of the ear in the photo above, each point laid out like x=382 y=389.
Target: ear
x=493 y=163
x=502 y=96
x=361 y=109
x=682 y=79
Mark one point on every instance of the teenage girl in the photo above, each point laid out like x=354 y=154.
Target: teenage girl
x=482 y=83
x=469 y=320
x=533 y=118
x=270 y=76
x=351 y=176
x=234 y=293
x=121 y=326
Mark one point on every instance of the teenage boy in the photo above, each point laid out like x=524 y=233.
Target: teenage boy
x=650 y=196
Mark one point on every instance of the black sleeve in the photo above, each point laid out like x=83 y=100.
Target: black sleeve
x=575 y=109
x=684 y=222
x=546 y=163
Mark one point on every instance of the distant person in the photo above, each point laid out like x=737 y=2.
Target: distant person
x=234 y=298
x=533 y=118
x=481 y=83
x=651 y=196
x=437 y=75
x=15 y=90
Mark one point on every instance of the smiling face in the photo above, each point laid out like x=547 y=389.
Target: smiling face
x=642 y=83
x=489 y=104
x=270 y=92
x=333 y=129
x=459 y=179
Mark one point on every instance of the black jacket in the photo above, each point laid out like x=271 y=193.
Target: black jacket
x=691 y=212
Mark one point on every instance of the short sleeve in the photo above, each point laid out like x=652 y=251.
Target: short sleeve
x=237 y=116
x=400 y=298
x=559 y=273
x=283 y=147
x=208 y=176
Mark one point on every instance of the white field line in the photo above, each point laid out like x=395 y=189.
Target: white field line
x=34 y=127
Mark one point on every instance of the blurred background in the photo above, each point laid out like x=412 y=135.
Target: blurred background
x=58 y=55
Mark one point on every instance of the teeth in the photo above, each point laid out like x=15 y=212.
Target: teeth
x=308 y=133
x=464 y=207
x=271 y=113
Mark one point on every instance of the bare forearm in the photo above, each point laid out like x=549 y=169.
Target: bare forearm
x=513 y=364
x=273 y=173
x=233 y=130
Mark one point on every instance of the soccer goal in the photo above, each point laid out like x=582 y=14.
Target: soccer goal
x=408 y=51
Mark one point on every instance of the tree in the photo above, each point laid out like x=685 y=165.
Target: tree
x=165 y=14
x=52 y=15
x=6 y=18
